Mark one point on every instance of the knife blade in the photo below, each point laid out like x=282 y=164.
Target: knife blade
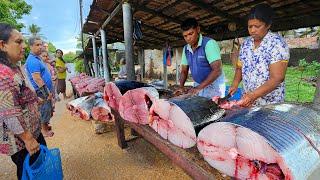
x=224 y=99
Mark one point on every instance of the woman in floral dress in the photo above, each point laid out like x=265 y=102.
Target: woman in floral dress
x=263 y=61
x=19 y=115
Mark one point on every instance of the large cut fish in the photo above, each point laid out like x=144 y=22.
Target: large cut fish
x=272 y=142
x=180 y=119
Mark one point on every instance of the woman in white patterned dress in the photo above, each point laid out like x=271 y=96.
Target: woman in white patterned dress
x=263 y=61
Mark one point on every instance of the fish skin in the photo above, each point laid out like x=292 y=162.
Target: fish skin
x=292 y=130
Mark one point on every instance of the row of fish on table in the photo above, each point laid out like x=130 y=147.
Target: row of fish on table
x=280 y=141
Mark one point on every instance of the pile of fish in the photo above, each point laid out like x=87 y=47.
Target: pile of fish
x=91 y=106
x=84 y=84
x=271 y=142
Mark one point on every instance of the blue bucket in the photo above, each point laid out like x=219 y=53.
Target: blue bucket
x=237 y=95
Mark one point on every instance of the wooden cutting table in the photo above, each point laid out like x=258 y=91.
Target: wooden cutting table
x=190 y=160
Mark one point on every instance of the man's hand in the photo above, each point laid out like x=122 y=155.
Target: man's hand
x=40 y=101
x=195 y=90
x=68 y=70
x=233 y=89
x=50 y=96
x=181 y=90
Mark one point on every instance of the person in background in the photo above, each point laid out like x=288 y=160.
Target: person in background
x=40 y=79
x=50 y=55
x=263 y=61
x=52 y=62
x=202 y=56
x=122 y=74
x=20 y=132
x=62 y=73
x=45 y=58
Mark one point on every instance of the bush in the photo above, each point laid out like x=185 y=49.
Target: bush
x=79 y=66
x=69 y=57
x=312 y=68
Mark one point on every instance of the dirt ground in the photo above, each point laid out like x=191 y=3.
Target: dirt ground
x=86 y=155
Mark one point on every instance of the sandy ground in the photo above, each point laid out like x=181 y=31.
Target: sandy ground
x=86 y=155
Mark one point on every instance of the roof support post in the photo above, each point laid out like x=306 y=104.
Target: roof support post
x=177 y=67
x=165 y=69
x=127 y=31
x=141 y=62
x=316 y=100
x=95 y=66
x=104 y=55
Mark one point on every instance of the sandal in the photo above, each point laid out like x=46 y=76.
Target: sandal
x=49 y=127
x=48 y=133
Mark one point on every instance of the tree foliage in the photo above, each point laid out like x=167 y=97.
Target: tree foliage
x=13 y=10
x=52 y=48
x=79 y=66
x=69 y=57
x=34 y=29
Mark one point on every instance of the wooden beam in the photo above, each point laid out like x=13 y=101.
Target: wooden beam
x=174 y=3
x=158 y=13
x=214 y=10
x=119 y=126
x=98 y=8
x=152 y=28
x=113 y=13
x=161 y=9
x=157 y=38
x=245 y=5
x=166 y=17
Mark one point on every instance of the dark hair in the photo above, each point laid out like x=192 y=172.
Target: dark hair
x=189 y=23
x=62 y=54
x=262 y=12
x=60 y=51
x=5 y=33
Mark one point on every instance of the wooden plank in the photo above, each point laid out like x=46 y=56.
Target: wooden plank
x=119 y=125
x=189 y=160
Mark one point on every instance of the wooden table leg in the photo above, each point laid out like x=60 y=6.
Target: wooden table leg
x=119 y=125
x=134 y=133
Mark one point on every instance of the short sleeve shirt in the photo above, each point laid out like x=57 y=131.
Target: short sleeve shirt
x=35 y=65
x=256 y=62
x=60 y=63
x=212 y=51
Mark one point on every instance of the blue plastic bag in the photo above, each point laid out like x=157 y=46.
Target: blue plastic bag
x=47 y=166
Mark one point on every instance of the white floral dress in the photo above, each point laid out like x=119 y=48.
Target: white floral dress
x=256 y=62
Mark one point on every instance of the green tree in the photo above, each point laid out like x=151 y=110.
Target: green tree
x=13 y=10
x=51 y=47
x=79 y=66
x=34 y=30
x=69 y=57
